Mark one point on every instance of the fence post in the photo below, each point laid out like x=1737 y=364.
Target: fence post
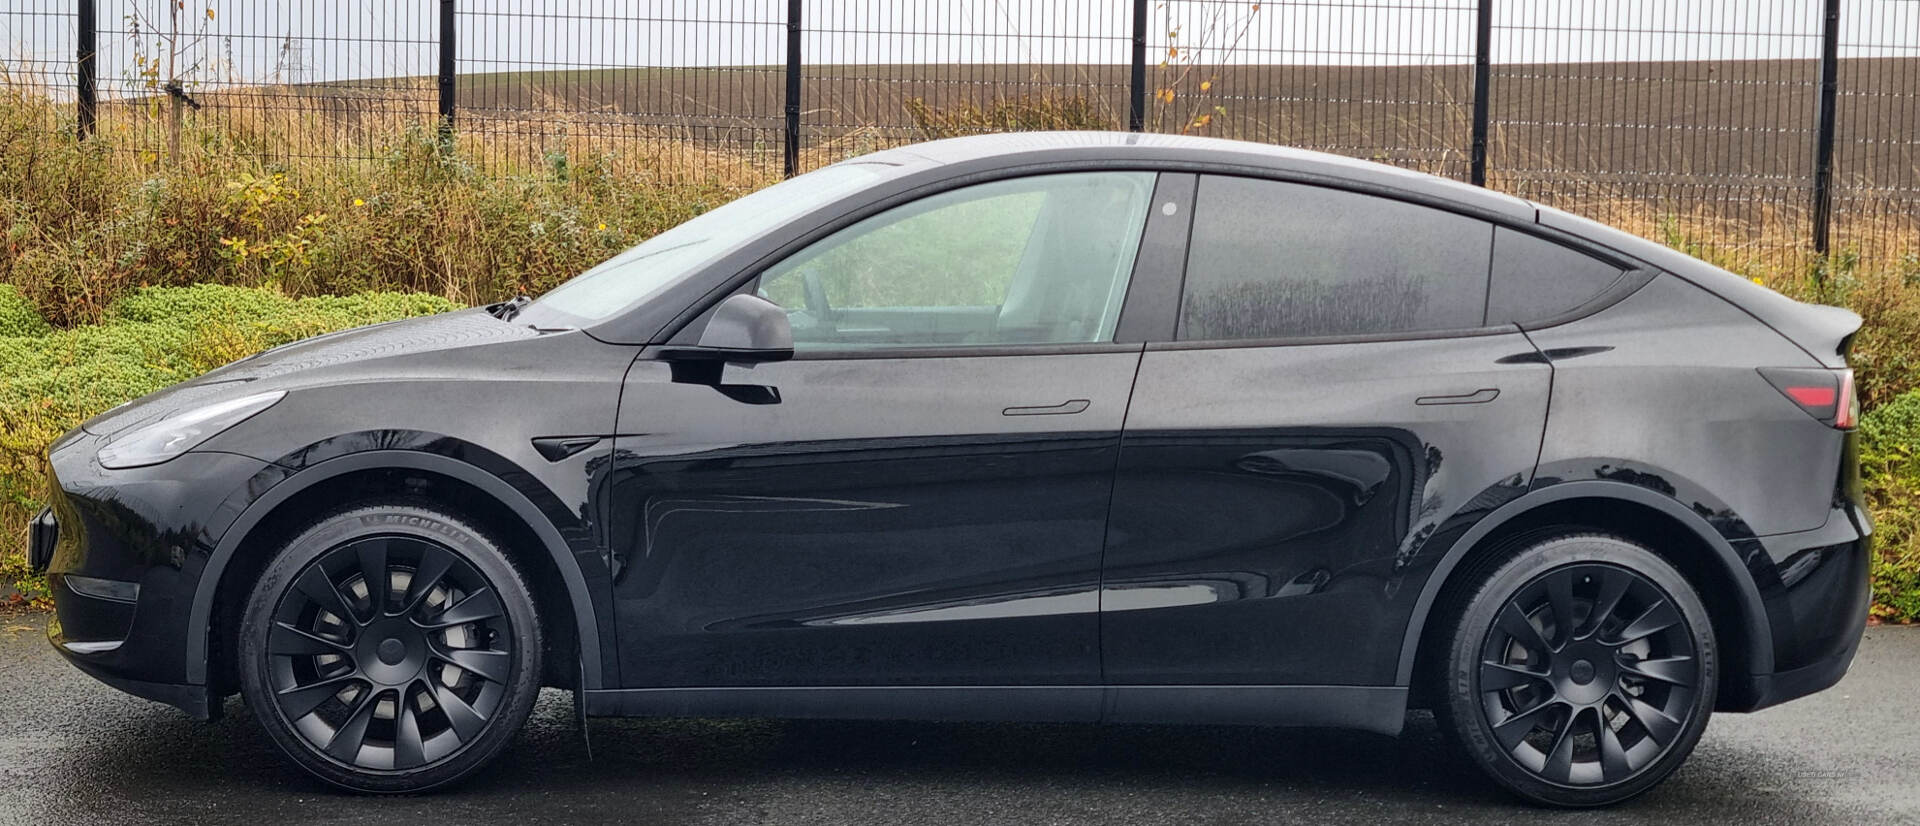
x=1482 y=82
x=446 y=73
x=790 y=143
x=1137 y=75
x=84 y=26
x=1823 y=143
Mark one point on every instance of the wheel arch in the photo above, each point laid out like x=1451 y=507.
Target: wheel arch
x=1741 y=612
x=256 y=515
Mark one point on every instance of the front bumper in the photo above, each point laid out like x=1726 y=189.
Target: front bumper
x=126 y=549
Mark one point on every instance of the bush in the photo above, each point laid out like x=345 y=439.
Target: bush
x=1889 y=443
x=53 y=380
x=18 y=317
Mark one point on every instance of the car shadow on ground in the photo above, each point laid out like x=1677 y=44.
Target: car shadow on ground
x=156 y=764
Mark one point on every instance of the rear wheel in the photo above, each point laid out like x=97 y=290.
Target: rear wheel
x=1580 y=672
x=390 y=648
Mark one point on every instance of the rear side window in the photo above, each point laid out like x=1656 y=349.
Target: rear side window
x=1535 y=279
x=1271 y=259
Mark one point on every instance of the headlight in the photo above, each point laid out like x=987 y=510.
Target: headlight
x=181 y=432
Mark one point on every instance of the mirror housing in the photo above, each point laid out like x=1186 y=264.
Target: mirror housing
x=744 y=328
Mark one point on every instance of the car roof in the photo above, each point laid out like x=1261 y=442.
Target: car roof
x=1025 y=148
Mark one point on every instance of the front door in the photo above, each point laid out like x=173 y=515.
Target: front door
x=919 y=496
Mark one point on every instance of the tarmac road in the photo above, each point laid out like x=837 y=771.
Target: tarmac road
x=75 y=751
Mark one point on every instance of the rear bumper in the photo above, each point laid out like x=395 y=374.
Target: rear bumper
x=1816 y=589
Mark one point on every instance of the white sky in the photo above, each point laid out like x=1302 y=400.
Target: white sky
x=245 y=41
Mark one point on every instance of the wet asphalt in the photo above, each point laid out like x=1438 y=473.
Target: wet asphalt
x=75 y=751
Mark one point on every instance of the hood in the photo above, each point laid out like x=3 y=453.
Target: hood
x=315 y=360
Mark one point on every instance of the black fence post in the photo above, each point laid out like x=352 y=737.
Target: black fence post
x=791 y=141
x=1823 y=143
x=1482 y=82
x=447 y=73
x=1137 y=75
x=84 y=26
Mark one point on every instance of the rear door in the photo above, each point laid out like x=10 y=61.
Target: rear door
x=1331 y=398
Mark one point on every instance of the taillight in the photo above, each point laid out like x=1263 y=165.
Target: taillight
x=1825 y=394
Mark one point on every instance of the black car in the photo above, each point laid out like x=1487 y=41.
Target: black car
x=1062 y=427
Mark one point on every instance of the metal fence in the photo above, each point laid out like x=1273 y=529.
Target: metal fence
x=1789 y=123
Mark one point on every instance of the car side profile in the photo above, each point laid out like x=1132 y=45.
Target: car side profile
x=1042 y=427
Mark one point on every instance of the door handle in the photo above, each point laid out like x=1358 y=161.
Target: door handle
x=1062 y=409
x=1481 y=396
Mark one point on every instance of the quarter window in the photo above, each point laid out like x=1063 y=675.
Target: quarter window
x=1271 y=259
x=1535 y=279
x=1040 y=260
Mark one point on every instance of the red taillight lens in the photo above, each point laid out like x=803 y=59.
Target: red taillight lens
x=1848 y=411
x=1826 y=395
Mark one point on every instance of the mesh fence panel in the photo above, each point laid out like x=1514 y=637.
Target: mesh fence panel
x=1694 y=118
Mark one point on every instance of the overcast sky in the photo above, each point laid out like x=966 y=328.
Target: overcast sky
x=317 y=40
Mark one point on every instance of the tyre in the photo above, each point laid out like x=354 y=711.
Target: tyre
x=390 y=648
x=1580 y=670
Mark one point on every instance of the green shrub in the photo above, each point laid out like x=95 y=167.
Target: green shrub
x=52 y=381
x=1889 y=444
x=18 y=316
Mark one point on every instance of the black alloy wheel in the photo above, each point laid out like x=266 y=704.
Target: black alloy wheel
x=383 y=655
x=1582 y=671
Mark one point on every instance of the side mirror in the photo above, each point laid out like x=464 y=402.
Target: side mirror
x=743 y=328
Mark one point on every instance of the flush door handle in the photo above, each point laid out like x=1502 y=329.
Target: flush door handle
x=1065 y=408
x=1481 y=396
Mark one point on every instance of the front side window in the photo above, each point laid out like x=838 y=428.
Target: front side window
x=1270 y=259
x=1039 y=260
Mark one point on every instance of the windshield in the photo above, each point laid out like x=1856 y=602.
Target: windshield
x=659 y=262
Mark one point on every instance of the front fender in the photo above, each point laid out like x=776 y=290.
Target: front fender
x=512 y=487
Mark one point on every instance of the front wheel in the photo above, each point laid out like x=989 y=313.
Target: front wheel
x=390 y=648
x=1580 y=672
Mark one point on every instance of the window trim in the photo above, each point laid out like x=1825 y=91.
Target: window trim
x=684 y=326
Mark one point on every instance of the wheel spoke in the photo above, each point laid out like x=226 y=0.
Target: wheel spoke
x=1680 y=671
x=488 y=665
x=285 y=639
x=1501 y=676
x=479 y=605
x=1658 y=617
x=466 y=722
x=317 y=586
x=1516 y=727
x=351 y=734
x=1522 y=630
x=300 y=700
x=373 y=571
x=408 y=749
x=1560 y=599
x=1659 y=726
x=1560 y=755
x=433 y=566
x=1613 y=756
x=1613 y=586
